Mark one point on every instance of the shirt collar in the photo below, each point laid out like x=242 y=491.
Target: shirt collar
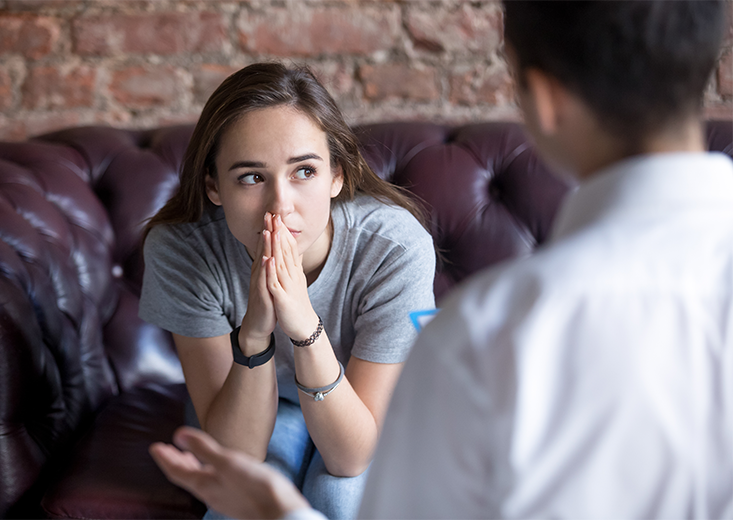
x=647 y=182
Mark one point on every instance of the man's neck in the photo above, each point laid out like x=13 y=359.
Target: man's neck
x=678 y=138
x=683 y=138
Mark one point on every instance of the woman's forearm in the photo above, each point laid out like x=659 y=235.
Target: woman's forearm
x=242 y=414
x=342 y=427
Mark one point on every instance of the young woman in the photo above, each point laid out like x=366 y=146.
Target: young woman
x=286 y=271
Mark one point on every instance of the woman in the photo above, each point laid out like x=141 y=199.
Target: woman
x=281 y=232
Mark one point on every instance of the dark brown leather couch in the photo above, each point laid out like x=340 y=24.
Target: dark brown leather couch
x=86 y=386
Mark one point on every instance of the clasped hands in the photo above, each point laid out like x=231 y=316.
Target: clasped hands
x=278 y=291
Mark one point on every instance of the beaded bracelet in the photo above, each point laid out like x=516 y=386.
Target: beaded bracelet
x=313 y=337
x=319 y=393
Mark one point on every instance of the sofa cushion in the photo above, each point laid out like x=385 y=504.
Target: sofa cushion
x=111 y=474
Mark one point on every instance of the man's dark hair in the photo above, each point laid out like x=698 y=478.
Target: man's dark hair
x=638 y=64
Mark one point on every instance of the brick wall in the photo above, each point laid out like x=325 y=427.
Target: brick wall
x=135 y=63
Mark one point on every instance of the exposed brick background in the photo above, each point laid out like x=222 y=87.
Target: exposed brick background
x=144 y=63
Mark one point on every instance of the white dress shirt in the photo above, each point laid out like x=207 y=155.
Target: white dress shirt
x=593 y=379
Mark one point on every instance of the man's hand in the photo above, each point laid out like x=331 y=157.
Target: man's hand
x=228 y=481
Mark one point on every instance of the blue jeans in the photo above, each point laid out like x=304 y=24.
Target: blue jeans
x=292 y=452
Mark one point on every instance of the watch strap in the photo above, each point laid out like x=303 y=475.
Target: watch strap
x=250 y=361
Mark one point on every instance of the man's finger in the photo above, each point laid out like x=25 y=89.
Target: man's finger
x=200 y=443
x=170 y=460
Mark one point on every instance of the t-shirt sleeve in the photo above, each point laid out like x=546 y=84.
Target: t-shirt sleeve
x=401 y=284
x=180 y=292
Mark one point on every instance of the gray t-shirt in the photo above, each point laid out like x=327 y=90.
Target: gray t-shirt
x=380 y=269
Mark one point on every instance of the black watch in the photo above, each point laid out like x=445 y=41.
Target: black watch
x=251 y=361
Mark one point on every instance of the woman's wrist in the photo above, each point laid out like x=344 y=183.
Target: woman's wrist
x=251 y=361
x=311 y=329
x=310 y=339
x=251 y=345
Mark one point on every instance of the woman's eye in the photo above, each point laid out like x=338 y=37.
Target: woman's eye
x=304 y=173
x=250 y=178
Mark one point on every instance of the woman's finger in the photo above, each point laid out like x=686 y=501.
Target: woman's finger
x=287 y=241
x=258 y=254
x=295 y=252
x=267 y=240
x=277 y=253
x=268 y=221
x=273 y=282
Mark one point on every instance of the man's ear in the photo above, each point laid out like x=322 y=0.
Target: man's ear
x=549 y=98
x=337 y=181
x=212 y=190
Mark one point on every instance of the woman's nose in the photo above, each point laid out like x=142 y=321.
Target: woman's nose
x=281 y=200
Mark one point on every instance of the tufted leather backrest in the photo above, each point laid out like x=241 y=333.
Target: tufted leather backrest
x=487 y=196
x=73 y=204
x=71 y=210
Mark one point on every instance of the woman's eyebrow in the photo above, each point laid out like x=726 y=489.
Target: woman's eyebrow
x=306 y=157
x=257 y=164
x=247 y=164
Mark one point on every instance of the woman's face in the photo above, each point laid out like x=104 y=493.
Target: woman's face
x=276 y=160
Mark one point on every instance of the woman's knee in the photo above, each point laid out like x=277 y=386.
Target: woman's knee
x=335 y=497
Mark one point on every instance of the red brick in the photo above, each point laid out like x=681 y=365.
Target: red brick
x=725 y=75
x=337 y=78
x=46 y=5
x=207 y=77
x=44 y=123
x=18 y=129
x=722 y=111
x=319 y=31
x=114 y=117
x=12 y=130
x=155 y=33
x=49 y=87
x=399 y=81
x=140 y=87
x=31 y=36
x=466 y=30
x=182 y=118
x=493 y=87
x=728 y=38
x=6 y=90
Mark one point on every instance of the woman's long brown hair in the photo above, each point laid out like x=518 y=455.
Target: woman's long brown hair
x=264 y=85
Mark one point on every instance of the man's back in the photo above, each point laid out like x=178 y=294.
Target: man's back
x=590 y=380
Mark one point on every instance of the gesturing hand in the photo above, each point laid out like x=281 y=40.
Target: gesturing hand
x=228 y=481
x=287 y=284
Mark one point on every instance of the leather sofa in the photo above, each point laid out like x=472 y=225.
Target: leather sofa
x=86 y=386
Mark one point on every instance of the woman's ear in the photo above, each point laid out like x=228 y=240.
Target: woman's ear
x=212 y=190
x=337 y=181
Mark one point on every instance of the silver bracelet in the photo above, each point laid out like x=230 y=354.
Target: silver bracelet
x=319 y=393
